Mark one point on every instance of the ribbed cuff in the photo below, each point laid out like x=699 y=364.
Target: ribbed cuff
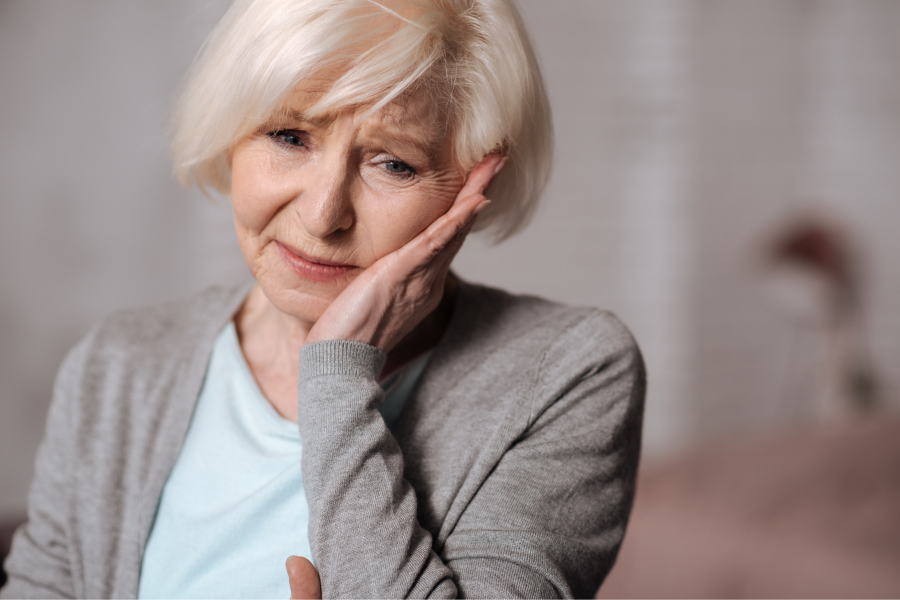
x=338 y=357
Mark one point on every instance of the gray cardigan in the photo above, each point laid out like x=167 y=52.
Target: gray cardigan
x=510 y=473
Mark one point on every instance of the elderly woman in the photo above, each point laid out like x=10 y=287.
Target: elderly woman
x=359 y=406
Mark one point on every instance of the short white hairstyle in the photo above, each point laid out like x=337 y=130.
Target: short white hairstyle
x=471 y=58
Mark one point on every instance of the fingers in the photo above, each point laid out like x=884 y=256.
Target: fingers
x=480 y=177
x=444 y=254
x=456 y=222
x=303 y=579
x=469 y=201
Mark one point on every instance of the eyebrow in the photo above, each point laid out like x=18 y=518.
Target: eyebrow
x=395 y=135
x=393 y=128
x=390 y=129
x=295 y=116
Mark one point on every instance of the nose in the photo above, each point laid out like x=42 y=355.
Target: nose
x=325 y=207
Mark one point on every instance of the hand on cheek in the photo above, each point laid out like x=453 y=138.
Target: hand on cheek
x=393 y=295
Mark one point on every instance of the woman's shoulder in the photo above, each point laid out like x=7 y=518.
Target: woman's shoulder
x=133 y=346
x=526 y=390
x=165 y=328
x=138 y=364
x=519 y=354
x=168 y=322
x=497 y=318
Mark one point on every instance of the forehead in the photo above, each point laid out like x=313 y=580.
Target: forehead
x=412 y=116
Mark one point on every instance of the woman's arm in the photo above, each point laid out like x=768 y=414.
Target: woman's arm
x=39 y=563
x=549 y=519
x=363 y=528
x=546 y=522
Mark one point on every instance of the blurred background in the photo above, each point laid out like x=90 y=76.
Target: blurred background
x=727 y=181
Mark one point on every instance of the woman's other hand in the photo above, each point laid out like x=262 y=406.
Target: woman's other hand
x=303 y=578
x=392 y=296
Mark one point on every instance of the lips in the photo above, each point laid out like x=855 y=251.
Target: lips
x=313 y=268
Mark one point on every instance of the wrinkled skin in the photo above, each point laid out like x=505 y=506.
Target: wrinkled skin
x=377 y=194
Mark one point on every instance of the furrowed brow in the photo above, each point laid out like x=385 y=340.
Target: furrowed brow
x=294 y=117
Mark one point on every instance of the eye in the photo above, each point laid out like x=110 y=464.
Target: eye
x=289 y=137
x=398 y=167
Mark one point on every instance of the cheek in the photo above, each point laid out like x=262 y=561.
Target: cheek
x=395 y=219
x=252 y=198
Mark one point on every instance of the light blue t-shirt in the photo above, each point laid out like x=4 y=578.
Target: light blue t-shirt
x=233 y=508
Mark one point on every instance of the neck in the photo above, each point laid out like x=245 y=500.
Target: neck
x=265 y=331
x=271 y=341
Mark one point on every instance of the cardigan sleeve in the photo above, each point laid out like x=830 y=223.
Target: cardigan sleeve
x=363 y=531
x=549 y=519
x=547 y=522
x=39 y=563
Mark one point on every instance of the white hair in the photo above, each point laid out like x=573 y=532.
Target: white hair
x=473 y=58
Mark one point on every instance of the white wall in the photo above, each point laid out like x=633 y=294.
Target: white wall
x=686 y=130
x=90 y=218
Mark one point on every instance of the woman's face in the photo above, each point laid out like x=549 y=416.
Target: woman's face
x=317 y=201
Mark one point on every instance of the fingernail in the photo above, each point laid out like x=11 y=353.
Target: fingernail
x=481 y=206
x=499 y=166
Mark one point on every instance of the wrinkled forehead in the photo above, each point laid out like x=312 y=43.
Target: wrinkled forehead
x=413 y=114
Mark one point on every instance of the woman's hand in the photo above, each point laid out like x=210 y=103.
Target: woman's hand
x=392 y=296
x=303 y=578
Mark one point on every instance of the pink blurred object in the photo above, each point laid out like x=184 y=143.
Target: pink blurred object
x=810 y=513
x=812 y=267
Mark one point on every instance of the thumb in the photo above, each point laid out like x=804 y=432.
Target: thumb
x=303 y=578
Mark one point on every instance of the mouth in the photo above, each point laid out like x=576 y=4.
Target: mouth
x=311 y=267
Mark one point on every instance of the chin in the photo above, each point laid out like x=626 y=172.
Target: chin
x=298 y=297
